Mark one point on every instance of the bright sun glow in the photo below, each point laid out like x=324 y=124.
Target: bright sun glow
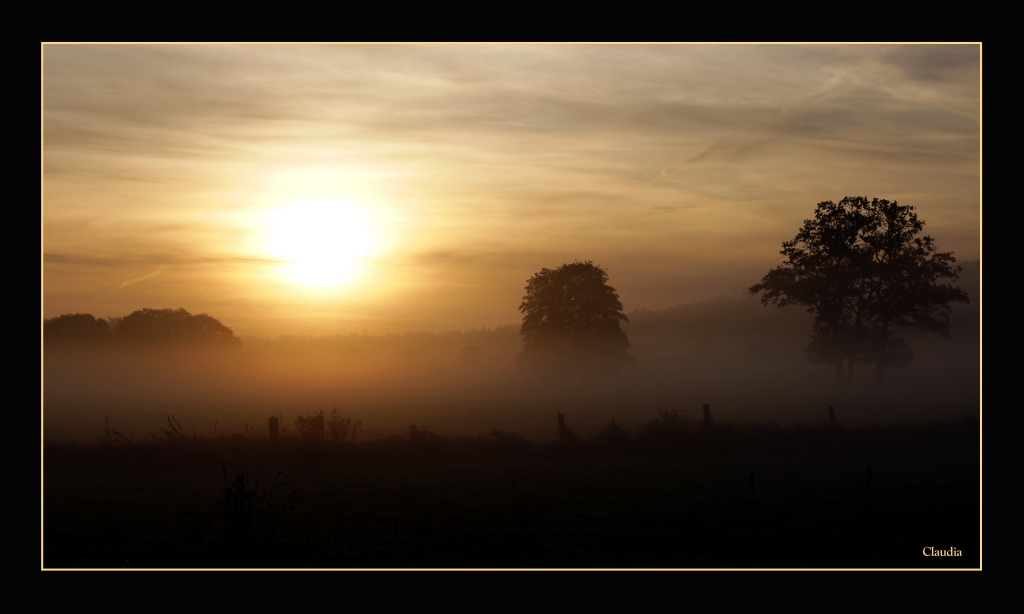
x=322 y=241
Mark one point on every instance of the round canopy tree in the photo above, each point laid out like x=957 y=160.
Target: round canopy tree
x=571 y=320
x=173 y=328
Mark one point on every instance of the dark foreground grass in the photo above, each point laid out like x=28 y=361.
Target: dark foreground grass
x=669 y=496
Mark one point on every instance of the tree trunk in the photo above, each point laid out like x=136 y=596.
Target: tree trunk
x=853 y=347
x=837 y=352
x=883 y=353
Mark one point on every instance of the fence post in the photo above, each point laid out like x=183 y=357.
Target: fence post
x=707 y=414
x=274 y=429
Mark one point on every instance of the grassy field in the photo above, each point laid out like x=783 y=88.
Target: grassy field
x=690 y=497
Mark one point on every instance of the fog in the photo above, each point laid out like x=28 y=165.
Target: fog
x=745 y=360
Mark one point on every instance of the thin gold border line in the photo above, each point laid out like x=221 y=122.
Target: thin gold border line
x=42 y=420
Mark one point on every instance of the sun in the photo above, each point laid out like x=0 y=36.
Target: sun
x=320 y=241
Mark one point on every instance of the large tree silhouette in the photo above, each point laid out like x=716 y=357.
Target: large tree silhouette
x=824 y=272
x=571 y=320
x=905 y=275
x=860 y=267
x=173 y=328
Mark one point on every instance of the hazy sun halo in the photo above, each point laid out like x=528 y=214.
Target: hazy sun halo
x=321 y=241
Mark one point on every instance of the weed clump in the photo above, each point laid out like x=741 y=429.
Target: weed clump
x=311 y=427
x=252 y=517
x=667 y=427
x=342 y=429
x=612 y=435
x=508 y=440
x=316 y=427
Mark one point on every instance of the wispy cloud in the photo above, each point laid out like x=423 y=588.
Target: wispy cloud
x=485 y=162
x=163 y=259
x=129 y=282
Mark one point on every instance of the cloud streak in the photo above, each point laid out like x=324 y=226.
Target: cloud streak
x=140 y=278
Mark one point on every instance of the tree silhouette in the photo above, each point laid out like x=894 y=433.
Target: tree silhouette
x=75 y=330
x=571 y=320
x=904 y=281
x=173 y=328
x=858 y=346
x=824 y=271
x=860 y=267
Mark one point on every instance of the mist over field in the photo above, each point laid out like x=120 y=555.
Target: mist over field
x=351 y=306
x=745 y=360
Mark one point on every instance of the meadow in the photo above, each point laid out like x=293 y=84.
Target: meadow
x=669 y=494
x=511 y=306
x=443 y=455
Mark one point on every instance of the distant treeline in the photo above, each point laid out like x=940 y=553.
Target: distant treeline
x=149 y=328
x=741 y=321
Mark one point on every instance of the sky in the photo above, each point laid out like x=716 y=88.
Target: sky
x=338 y=189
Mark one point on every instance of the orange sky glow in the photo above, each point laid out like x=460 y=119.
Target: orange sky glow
x=335 y=189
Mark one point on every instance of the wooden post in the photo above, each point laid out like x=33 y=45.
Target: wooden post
x=274 y=429
x=707 y=414
x=831 y=414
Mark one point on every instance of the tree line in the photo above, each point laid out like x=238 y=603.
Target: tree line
x=153 y=328
x=860 y=266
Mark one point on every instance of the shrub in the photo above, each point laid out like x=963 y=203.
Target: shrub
x=317 y=427
x=342 y=429
x=311 y=427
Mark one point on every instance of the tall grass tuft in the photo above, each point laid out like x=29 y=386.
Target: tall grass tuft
x=173 y=434
x=252 y=517
x=113 y=437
